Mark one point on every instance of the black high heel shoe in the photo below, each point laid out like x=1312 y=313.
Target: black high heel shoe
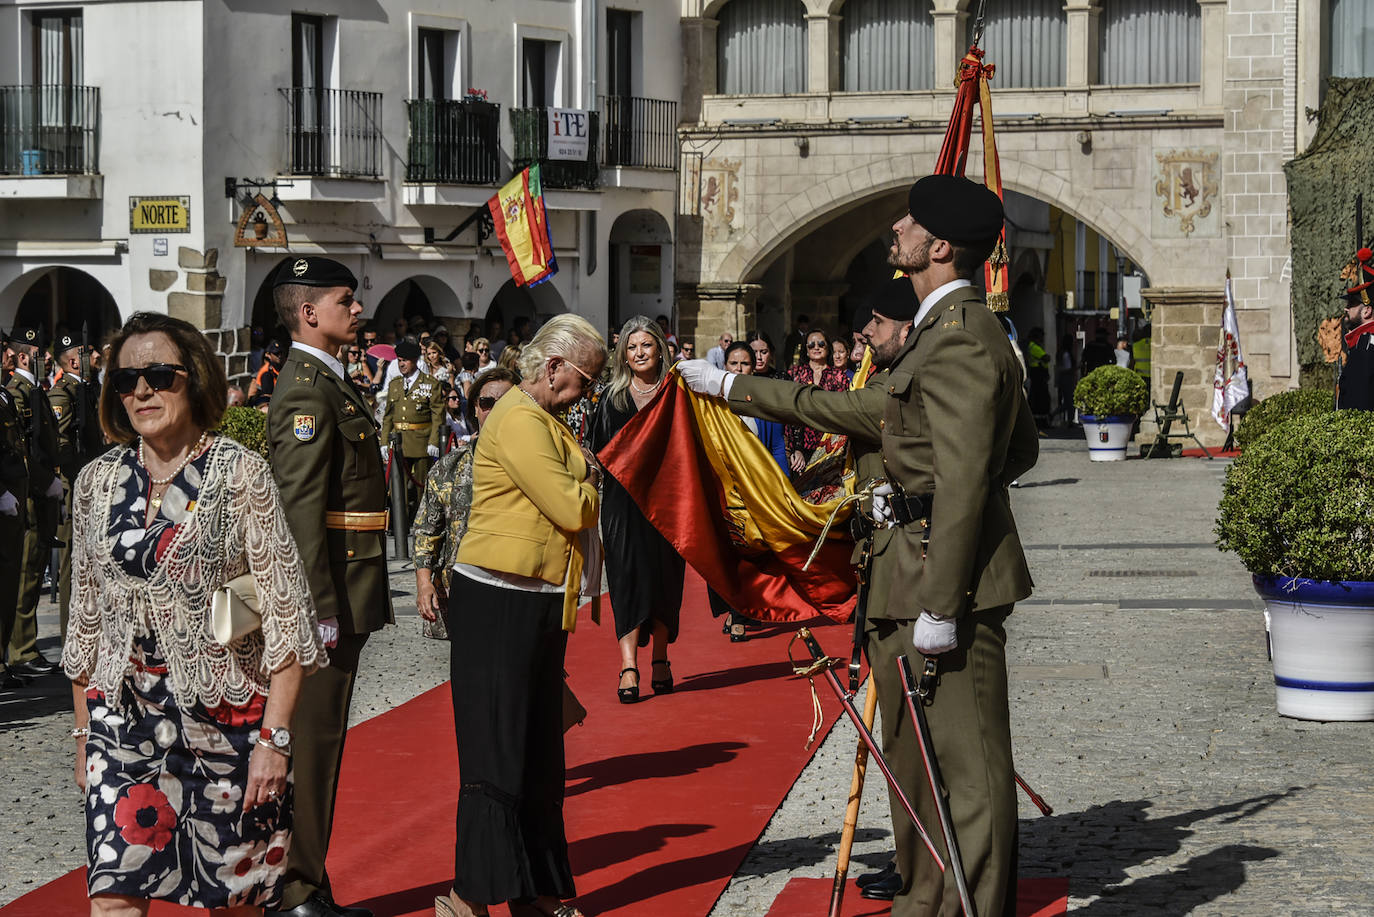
x=629 y=695
x=663 y=685
x=735 y=628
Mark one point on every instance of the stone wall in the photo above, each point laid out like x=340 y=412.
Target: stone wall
x=1187 y=322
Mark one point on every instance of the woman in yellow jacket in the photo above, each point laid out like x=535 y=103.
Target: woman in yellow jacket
x=513 y=599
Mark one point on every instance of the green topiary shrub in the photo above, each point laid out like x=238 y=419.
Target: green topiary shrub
x=1111 y=391
x=1300 y=501
x=1274 y=410
x=247 y=427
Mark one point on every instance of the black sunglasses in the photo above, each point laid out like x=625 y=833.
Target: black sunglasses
x=159 y=377
x=486 y=402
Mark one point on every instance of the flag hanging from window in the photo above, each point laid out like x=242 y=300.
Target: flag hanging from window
x=522 y=225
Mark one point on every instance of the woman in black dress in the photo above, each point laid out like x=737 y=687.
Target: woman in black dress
x=643 y=571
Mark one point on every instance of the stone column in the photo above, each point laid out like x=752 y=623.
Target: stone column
x=1184 y=327
x=1081 y=70
x=822 y=53
x=951 y=29
x=1213 y=52
x=698 y=65
x=706 y=310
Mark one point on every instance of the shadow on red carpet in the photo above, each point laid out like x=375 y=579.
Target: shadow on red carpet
x=1040 y=897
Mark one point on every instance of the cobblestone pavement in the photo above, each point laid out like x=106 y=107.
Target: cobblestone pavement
x=1142 y=709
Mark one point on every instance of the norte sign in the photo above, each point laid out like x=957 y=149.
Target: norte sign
x=570 y=132
x=160 y=214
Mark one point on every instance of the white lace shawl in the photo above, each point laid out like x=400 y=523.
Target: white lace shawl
x=237 y=525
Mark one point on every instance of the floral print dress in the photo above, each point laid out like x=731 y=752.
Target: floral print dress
x=164 y=785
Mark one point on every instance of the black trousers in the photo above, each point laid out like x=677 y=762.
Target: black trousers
x=507 y=650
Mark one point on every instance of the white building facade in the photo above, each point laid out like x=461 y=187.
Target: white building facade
x=135 y=136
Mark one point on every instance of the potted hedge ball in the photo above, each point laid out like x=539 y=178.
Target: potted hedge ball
x=1297 y=508
x=1109 y=399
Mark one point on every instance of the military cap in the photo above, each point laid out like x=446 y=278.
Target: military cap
x=406 y=350
x=30 y=336
x=314 y=272
x=273 y=347
x=895 y=299
x=64 y=343
x=956 y=209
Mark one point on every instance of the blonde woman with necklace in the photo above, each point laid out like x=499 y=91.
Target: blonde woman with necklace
x=643 y=571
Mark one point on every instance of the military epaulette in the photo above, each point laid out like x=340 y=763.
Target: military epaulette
x=306 y=371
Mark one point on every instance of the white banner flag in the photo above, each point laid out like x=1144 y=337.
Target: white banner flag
x=1231 y=384
x=570 y=134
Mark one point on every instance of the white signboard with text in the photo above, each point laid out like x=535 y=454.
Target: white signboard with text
x=570 y=134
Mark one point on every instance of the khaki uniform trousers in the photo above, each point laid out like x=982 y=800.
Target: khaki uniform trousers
x=971 y=730
x=12 y=533
x=23 y=642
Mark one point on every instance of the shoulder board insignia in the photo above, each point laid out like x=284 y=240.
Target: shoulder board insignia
x=951 y=323
x=304 y=427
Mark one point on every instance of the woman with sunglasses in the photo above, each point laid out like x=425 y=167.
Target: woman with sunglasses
x=513 y=598
x=643 y=571
x=182 y=743
x=482 y=347
x=442 y=517
x=814 y=369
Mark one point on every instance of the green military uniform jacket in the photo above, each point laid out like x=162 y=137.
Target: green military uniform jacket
x=36 y=417
x=857 y=414
x=326 y=458
x=957 y=428
x=14 y=452
x=419 y=412
x=78 y=436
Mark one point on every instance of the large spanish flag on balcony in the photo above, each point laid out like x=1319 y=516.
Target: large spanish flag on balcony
x=714 y=491
x=522 y=225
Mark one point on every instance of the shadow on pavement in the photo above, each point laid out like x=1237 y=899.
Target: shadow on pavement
x=796 y=853
x=1105 y=841
x=42 y=697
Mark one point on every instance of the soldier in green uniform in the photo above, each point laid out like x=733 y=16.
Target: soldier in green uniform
x=327 y=464
x=415 y=409
x=43 y=500
x=76 y=406
x=14 y=488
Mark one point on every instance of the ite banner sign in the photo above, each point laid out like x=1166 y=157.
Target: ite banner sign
x=569 y=134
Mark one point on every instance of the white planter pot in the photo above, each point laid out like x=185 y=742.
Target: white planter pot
x=1321 y=637
x=1107 y=437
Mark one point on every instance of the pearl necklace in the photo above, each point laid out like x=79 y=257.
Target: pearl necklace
x=645 y=391
x=162 y=482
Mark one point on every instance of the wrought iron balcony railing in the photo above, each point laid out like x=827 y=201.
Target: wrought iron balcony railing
x=453 y=141
x=49 y=130
x=636 y=132
x=531 y=129
x=333 y=132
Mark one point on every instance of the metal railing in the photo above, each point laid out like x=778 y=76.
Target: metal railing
x=453 y=141
x=333 y=132
x=49 y=130
x=531 y=129
x=637 y=132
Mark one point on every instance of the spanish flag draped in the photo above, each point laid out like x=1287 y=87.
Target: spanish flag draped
x=522 y=225
x=708 y=484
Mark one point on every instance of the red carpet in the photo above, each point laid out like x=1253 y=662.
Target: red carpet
x=1035 y=898
x=665 y=797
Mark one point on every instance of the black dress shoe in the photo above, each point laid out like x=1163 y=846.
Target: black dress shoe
x=318 y=905
x=883 y=889
x=869 y=878
x=9 y=681
x=34 y=668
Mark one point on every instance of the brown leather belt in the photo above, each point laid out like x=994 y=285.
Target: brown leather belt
x=408 y=427
x=358 y=522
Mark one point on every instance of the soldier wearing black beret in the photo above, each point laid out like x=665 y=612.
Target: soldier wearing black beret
x=76 y=406
x=415 y=409
x=14 y=494
x=43 y=502
x=327 y=464
x=1356 y=386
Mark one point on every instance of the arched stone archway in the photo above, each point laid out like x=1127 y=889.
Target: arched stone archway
x=640 y=256
x=60 y=299
x=420 y=296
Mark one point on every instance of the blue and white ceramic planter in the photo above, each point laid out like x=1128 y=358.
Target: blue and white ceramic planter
x=1107 y=436
x=1322 y=641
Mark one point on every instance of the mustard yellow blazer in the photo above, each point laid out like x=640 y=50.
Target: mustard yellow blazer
x=529 y=498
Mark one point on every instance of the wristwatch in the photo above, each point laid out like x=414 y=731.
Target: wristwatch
x=277 y=739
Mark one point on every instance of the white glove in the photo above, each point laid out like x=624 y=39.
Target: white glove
x=704 y=379
x=54 y=491
x=882 y=509
x=329 y=631
x=935 y=634
x=433 y=451
x=8 y=504
x=386 y=453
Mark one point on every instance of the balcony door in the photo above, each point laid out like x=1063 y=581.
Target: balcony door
x=58 y=112
x=539 y=66
x=618 y=113
x=307 y=93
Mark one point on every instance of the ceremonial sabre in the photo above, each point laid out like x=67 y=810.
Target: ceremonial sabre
x=915 y=697
x=851 y=812
x=821 y=665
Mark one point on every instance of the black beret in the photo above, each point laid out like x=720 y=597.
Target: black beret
x=65 y=342
x=956 y=209
x=273 y=347
x=405 y=350
x=314 y=272
x=31 y=336
x=895 y=299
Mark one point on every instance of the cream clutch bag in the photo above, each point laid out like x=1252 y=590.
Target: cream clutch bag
x=234 y=609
